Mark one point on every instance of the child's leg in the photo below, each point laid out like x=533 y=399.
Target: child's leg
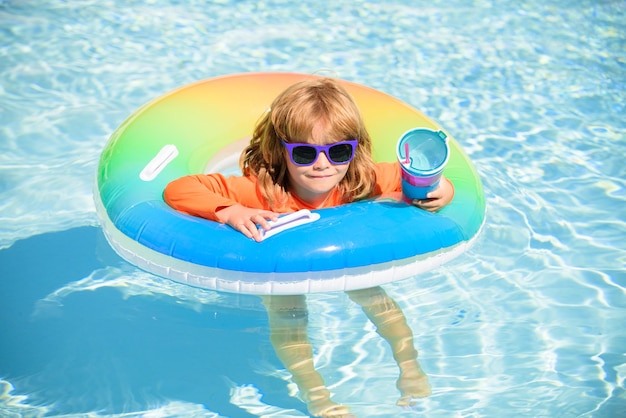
x=288 y=319
x=391 y=324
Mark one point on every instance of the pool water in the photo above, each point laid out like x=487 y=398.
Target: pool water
x=528 y=323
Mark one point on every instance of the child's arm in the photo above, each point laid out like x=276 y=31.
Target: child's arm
x=199 y=195
x=230 y=200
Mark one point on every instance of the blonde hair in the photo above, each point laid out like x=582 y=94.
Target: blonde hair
x=292 y=117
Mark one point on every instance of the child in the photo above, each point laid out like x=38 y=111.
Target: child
x=309 y=151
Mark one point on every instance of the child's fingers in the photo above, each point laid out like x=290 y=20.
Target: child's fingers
x=262 y=221
x=243 y=229
x=427 y=204
x=249 y=223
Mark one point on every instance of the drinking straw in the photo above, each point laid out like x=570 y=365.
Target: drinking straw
x=406 y=153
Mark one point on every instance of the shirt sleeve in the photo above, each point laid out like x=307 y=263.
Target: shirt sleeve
x=203 y=195
x=388 y=178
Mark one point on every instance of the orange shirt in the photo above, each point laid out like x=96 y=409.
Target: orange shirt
x=203 y=194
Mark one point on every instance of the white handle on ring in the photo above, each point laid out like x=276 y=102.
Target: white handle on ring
x=159 y=162
x=292 y=220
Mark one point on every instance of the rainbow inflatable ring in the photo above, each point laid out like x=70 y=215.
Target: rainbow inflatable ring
x=203 y=127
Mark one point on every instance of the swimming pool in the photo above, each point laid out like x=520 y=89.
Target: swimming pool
x=529 y=323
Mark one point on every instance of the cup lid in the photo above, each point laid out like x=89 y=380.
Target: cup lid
x=423 y=151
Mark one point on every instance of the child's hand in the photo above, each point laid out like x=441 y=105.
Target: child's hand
x=438 y=198
x=245 y=220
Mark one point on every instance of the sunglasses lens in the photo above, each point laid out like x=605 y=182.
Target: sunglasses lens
x=304 y=154
x=340 y=153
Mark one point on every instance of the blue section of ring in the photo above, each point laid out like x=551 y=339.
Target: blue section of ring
x=352 y=235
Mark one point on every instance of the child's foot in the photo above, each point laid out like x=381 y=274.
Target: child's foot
x=412 y=384
x=331 y=409
x=320 y=404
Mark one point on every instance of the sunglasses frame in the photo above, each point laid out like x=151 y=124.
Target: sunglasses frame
x=320 y=148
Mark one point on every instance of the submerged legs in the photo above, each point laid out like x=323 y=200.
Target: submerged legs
x=288 y=320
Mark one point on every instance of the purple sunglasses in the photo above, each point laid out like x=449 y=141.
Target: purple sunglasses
x=306 y=154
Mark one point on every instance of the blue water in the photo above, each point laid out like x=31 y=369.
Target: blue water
x=528 y=323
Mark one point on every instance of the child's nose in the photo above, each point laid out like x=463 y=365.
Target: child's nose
x=322 y=160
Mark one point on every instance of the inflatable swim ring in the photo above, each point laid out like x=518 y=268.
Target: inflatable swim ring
x=203 y=127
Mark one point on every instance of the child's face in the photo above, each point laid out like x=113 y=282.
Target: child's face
x=314 y=183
